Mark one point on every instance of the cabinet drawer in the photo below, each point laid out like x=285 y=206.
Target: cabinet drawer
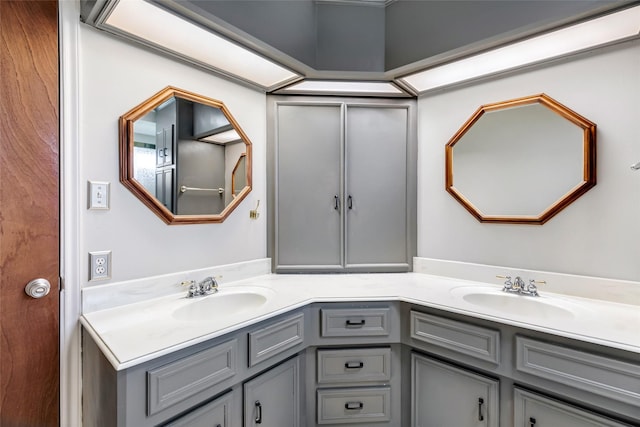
x=531 y=409
x=214 y=414
x=470 y=340
x=354 y=365
x=188 y=376
x=276 y=338
x=354 y=405
x=357 y=322
x=601 y=375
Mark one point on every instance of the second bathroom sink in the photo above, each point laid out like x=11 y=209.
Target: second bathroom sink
x=513 y=304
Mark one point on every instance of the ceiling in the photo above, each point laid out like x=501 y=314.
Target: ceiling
x=369 y=40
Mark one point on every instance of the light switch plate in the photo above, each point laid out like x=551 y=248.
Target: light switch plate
x=98 y=196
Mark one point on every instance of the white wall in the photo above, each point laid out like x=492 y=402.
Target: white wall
x=115 y=76
x=597 y=235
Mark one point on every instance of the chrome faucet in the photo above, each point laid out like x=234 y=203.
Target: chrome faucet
x=197 y=289
x=518 y=286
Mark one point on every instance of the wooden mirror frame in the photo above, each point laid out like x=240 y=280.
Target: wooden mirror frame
x=233 y=173
x=126 y=141
x=589 y=166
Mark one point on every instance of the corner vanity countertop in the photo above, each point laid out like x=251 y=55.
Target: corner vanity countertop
x=135 y=333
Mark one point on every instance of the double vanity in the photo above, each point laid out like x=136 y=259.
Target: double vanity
x=405 y=349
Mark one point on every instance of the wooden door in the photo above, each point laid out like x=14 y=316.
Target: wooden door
x=29 y=213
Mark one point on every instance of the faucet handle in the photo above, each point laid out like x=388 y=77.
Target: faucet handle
x=532 y=289
x=209 y=285
x=194 y=288
x=508 y=284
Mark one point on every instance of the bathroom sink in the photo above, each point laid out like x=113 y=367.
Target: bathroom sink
x=225 y=302
x=513 y=304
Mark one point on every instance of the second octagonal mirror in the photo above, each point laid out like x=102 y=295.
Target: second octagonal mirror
x=179 y=153
x=521 y=161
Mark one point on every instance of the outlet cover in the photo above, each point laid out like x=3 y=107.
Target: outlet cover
x=99 y=265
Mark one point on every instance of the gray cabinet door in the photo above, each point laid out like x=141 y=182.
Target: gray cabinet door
x=443 y=395
x=272 y=399
x=308 y=186
x=376 y=185
x=214 y=414
x=533 y=410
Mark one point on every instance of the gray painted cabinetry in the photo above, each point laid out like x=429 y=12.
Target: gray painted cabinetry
x=534 y=410
x=357 y=357
x=445 y=395
x=214 y=384
x=375 y=364
x=342 y=184
x=473 y=373
x=272 y=399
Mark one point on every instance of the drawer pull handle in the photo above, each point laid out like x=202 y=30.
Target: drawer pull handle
x=258 y=412
x=354 y=365
x=218 y=425
x=480 y=403
x=352 y=324
x=353 y=405
x=532 y=421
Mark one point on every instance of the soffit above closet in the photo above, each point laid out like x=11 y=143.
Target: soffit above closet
x=371 y=40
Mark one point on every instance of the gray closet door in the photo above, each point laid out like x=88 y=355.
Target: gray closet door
x=376 y=185
x=308 y=184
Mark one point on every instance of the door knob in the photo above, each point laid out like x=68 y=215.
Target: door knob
x=38 y=288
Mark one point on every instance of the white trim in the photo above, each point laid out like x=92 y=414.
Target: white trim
x=70 y=193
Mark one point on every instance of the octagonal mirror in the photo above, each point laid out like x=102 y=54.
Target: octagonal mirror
x=179 y=154
x=521 y=161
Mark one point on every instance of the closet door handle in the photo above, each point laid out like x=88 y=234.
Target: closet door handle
x=258 y=412
x=532 y=422
x=350 y=202
x=336 y=201
x=480 y=403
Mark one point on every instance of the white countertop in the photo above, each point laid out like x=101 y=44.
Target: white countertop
x=135 y=333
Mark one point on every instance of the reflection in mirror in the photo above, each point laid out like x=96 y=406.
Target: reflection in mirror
x=521 y=161
x=239 y=175
x=178 y=155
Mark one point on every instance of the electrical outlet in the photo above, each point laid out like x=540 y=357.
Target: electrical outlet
x=99 y=265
